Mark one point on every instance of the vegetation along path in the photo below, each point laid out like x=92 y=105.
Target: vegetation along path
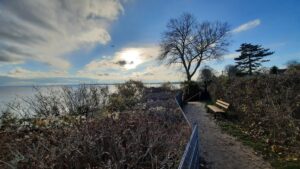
x=218 y=149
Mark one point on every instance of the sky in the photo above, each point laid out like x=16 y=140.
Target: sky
x=46 y=42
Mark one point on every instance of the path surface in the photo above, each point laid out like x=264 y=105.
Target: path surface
x=219 y=150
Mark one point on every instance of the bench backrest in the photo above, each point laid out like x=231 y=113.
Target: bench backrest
x=222 y=104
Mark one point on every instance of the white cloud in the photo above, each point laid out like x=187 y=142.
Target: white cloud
x=231 y=55
x=22 y=73
x=159 y=73
x=247 y=26
x=125 y=59
x=148 y=69
x=45 y=30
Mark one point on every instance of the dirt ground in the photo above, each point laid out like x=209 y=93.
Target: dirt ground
x=220 y=150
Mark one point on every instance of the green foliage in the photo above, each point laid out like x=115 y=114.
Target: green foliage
x=251 y=57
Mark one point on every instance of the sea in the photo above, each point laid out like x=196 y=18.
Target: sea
x=9 y=94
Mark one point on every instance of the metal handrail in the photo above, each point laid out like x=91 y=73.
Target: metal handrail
x=191 y=157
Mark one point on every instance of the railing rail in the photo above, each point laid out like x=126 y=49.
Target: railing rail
x=191 y=156
x=180 y=103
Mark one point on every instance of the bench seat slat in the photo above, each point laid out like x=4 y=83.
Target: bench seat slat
x=222 y=105
x=215 y=109
x=227 y=104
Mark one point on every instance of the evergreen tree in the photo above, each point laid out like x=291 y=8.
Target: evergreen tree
x=251 y=57
x=274 y=70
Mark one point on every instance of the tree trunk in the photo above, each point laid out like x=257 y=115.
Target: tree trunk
x=189 y=77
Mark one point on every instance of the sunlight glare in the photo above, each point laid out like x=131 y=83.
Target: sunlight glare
x=132 y=58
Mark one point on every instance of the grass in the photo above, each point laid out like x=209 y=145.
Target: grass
x=259 y=146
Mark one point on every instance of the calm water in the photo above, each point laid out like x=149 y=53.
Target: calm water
x=11 y=93
x=16 y=93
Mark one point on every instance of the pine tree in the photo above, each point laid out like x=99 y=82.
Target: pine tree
x=251 y=57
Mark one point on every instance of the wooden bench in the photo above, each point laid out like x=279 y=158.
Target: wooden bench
x=220 y=107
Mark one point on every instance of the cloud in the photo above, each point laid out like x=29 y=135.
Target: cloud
x=46 y=31
x=247 y=26
x=125 y=59
x=159 y=73
x=22 y=73
x=231 y=55
x=115 y=67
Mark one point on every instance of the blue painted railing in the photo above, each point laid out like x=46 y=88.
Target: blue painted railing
x=180 y=103
x=191 y=156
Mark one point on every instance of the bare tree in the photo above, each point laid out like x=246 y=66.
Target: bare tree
x=189 y=43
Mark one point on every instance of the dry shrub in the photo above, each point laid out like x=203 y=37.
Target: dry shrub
x=152 y=134
x=126 y=96
x=80 y=100
x=268 y=107
x=132 y=141
x=168 y=86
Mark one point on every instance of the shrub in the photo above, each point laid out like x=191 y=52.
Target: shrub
x=7 y=119
x=168 y=86
x=78 y=100
x=126 y=96
x=267 y=106
x=85 y=99
x=152 y=138
x=191 y=90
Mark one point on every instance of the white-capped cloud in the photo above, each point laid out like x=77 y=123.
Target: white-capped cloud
x=246 y=26
x=46 y=31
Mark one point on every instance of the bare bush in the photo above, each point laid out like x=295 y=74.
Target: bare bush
x=84 y=99
x=66 y=100
x=126 y=96
x=168 y=86
x=154 y=138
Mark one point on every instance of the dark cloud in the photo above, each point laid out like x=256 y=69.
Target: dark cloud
x=121 y=62
x=124 y=62
x=8 y=58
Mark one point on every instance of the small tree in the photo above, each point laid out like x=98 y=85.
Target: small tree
x=206 y=76
x=251 y=58
x=231 y=70
x=274 y=70
x=189 y=43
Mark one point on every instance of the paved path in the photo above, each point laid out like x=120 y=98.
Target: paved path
x=219 y=150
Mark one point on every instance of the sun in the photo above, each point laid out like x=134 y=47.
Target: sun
x=132 y=58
